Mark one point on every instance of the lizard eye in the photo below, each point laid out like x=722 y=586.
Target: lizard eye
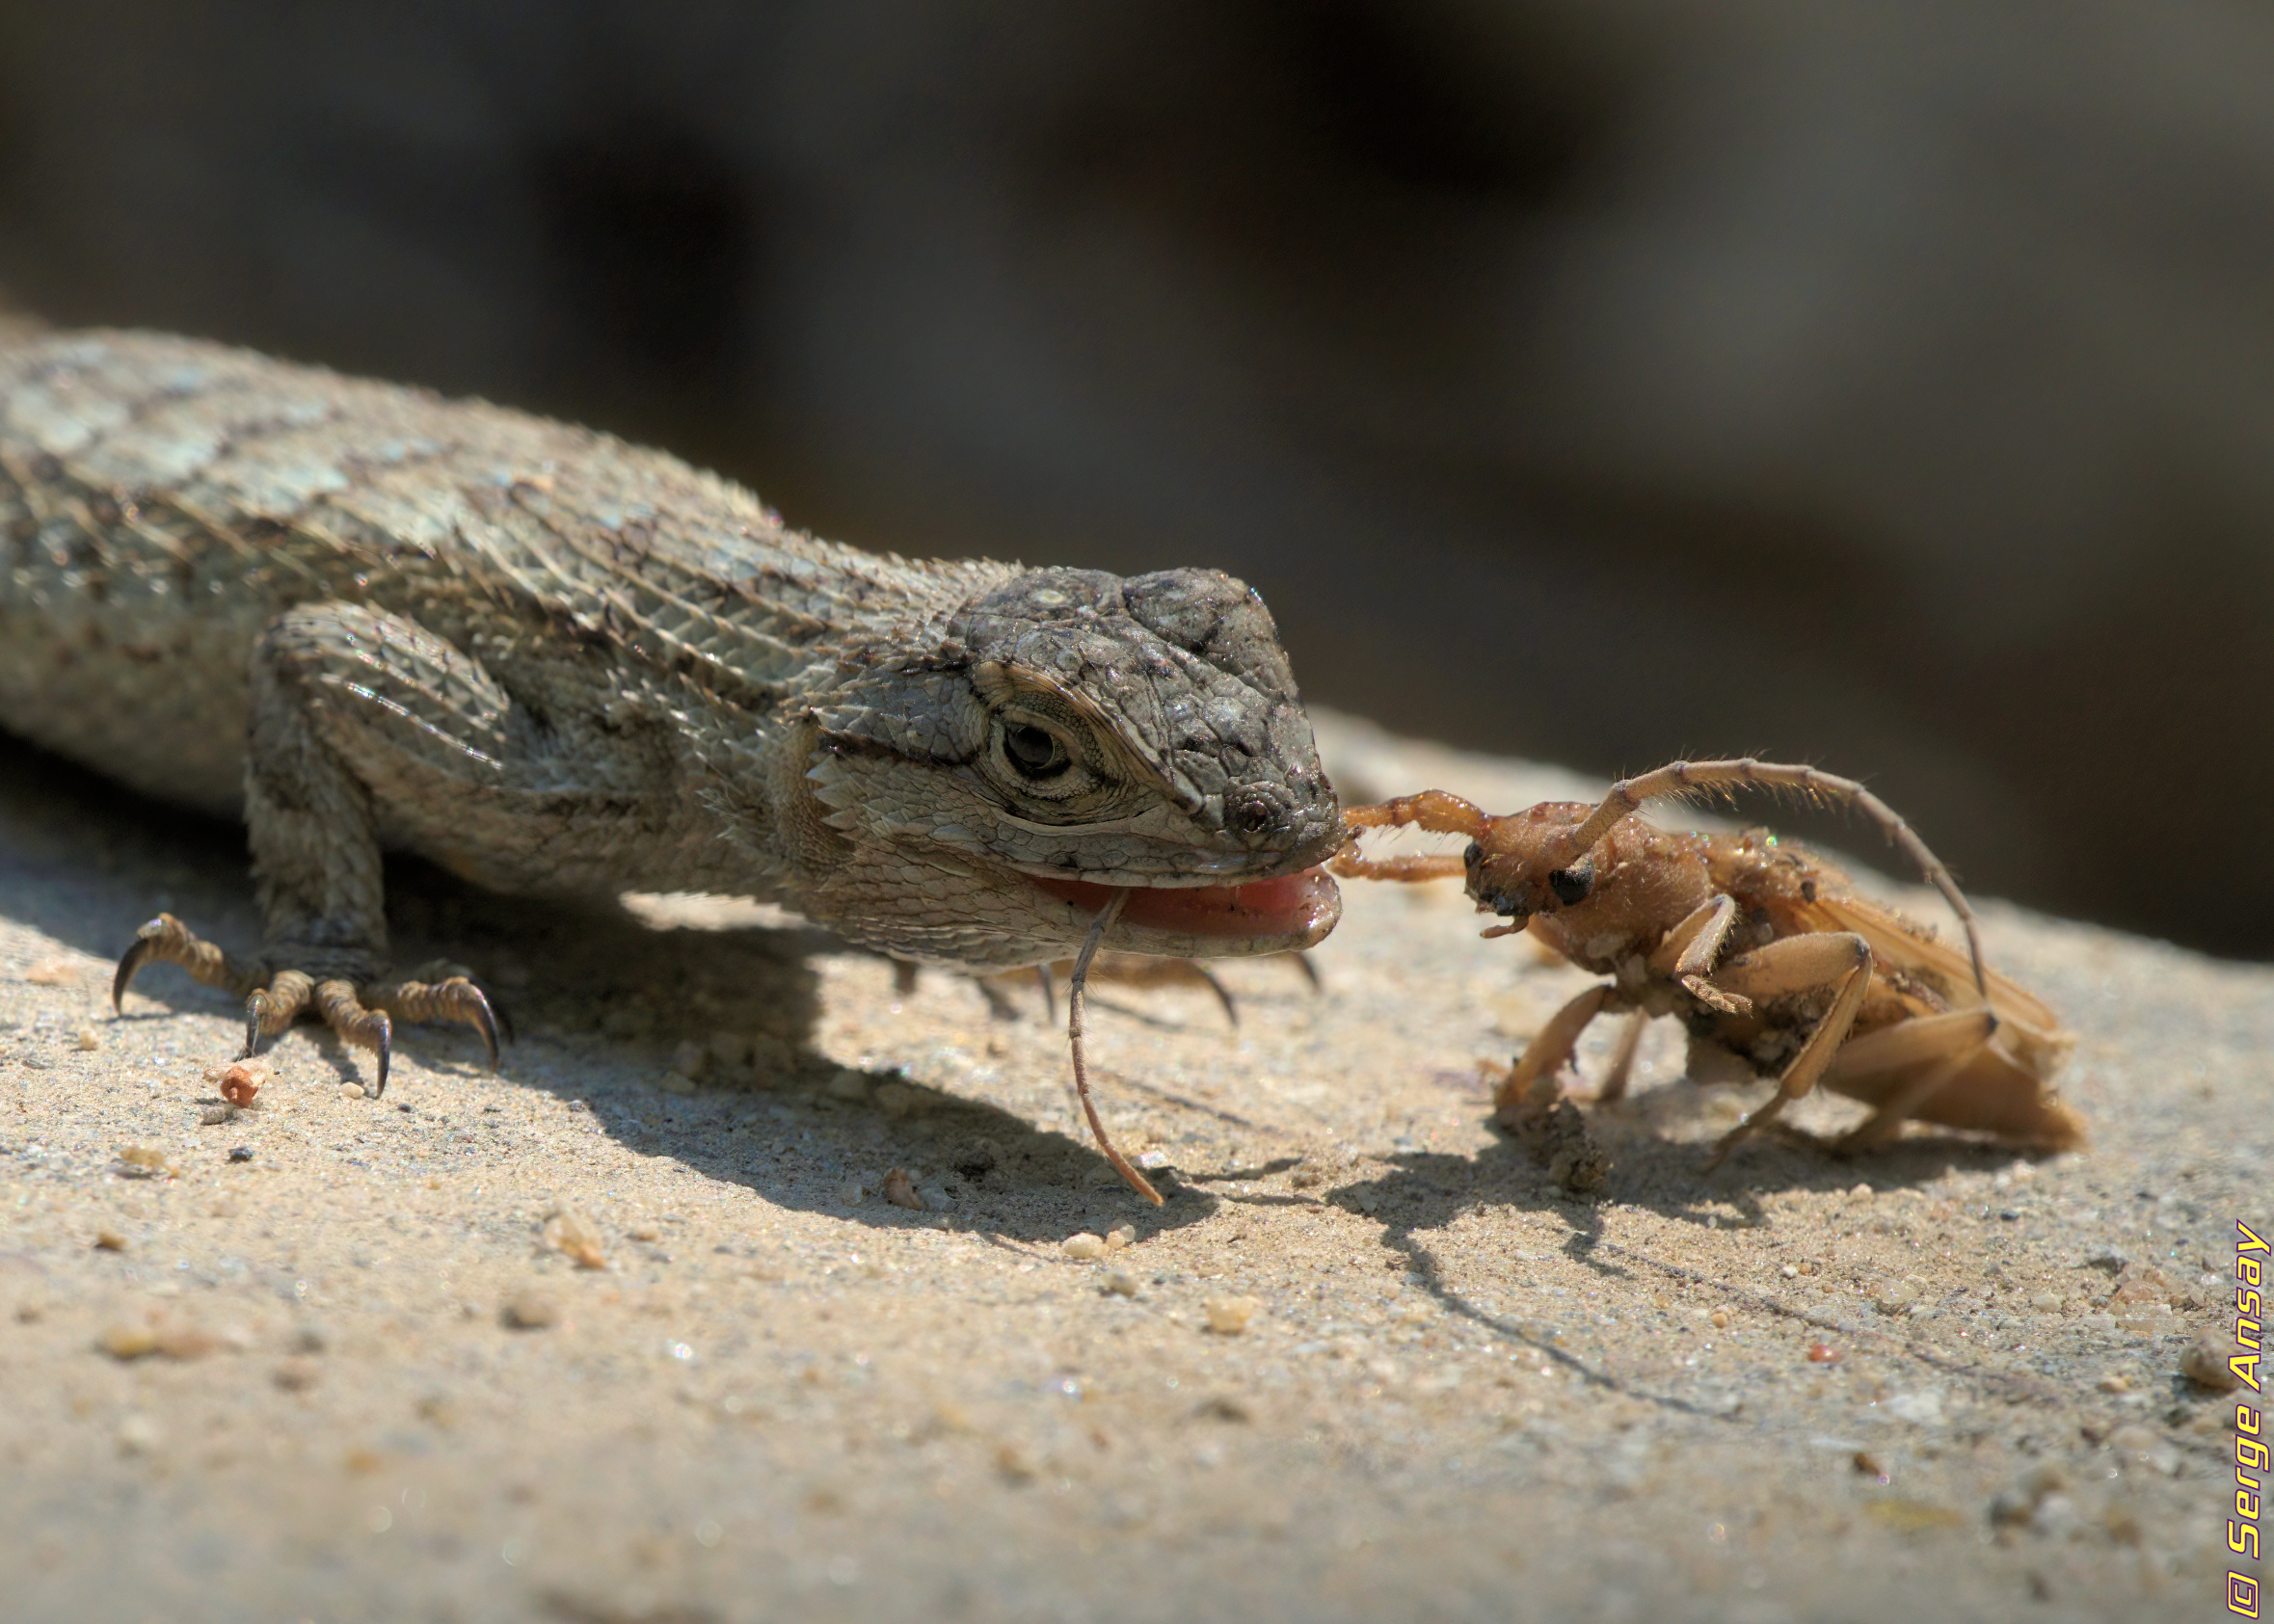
x=1035 y=753
x=1045 y=764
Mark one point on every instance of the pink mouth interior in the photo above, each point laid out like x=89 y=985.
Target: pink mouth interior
x=1291 y=905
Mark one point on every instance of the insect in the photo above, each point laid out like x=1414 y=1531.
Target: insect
x=1764 y=952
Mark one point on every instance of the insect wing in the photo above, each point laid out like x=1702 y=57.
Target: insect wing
x=1907 y=948
x=2006 y=1088
x=2027 y=1031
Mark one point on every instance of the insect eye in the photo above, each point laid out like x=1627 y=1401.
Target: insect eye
x=1475 y=854
x=1035 y=752
x=1571 y=884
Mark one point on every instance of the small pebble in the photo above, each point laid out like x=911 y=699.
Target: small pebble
x=213 y=1116
x=1823 y=1353
x=109 y=1241
x=2205 y=1363
x=140 y=1434
x=853 y=1192
x=297 y=1375
x=1084 y=1248
x=2018 y=1504
x=1721 y=1319
x=675 y=1083
x=1229 y=1316
x=238 y=1083
x=2118 y=1382
x=1120 y=1236
x=87 y=1039
x=241 y=1153
x=576 y=1237
x=848 y=1085
x=130 y=1341
x=1897 y=1296
x=1868 y=1465
x=176 y=1341
x=898 y=1099
x=186 y=1341
x=900 y=1190
x=1122 y=1282
x=2048 y=1302
x=690 y=1059
x=2137 y=1446
x=531 y=1311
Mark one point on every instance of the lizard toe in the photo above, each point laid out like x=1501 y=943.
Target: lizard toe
x=455 y=997
x=346 y=1014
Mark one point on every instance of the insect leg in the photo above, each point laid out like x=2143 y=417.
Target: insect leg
x=1900 y=1068
x=1622 y=1058
x=1797 y=963
x=1076 y=1006
x=1693 y=947
x=1348 y=864
x=1531 y=1085
x=1433 y=810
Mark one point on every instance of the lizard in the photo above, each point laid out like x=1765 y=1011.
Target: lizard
x=366 y=618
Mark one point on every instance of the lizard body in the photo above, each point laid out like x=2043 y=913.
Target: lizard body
x=367 y=618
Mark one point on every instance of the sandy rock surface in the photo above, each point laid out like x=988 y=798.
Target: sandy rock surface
x=758 y=1286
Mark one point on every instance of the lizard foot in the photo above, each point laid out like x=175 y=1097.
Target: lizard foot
x=364 y=1016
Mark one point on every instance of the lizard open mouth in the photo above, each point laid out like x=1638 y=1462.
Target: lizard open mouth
x=1303 y=906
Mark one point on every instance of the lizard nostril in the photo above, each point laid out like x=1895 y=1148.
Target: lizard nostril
x=1253 y=815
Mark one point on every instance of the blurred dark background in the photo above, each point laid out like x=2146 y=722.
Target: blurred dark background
x=1889 y=386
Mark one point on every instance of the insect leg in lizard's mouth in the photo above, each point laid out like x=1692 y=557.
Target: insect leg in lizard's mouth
x=1296 y=908
x=1293 y=911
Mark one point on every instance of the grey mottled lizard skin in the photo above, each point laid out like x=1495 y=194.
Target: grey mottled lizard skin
x=370 y=617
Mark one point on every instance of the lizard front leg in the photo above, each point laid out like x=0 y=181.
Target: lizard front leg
x=341 y=694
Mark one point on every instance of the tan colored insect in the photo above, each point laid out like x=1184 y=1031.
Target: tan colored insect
x=1764 y=951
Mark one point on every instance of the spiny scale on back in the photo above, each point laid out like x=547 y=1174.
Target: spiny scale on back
x=554 y=661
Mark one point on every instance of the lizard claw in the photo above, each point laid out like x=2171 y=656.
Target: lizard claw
x=503 y=1023
x=274 y=1000
x=487 y=1025
x=132 y=960
x=166 y=940
x=454 y=997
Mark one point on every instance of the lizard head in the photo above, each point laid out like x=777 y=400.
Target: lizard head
x=1066 y=732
